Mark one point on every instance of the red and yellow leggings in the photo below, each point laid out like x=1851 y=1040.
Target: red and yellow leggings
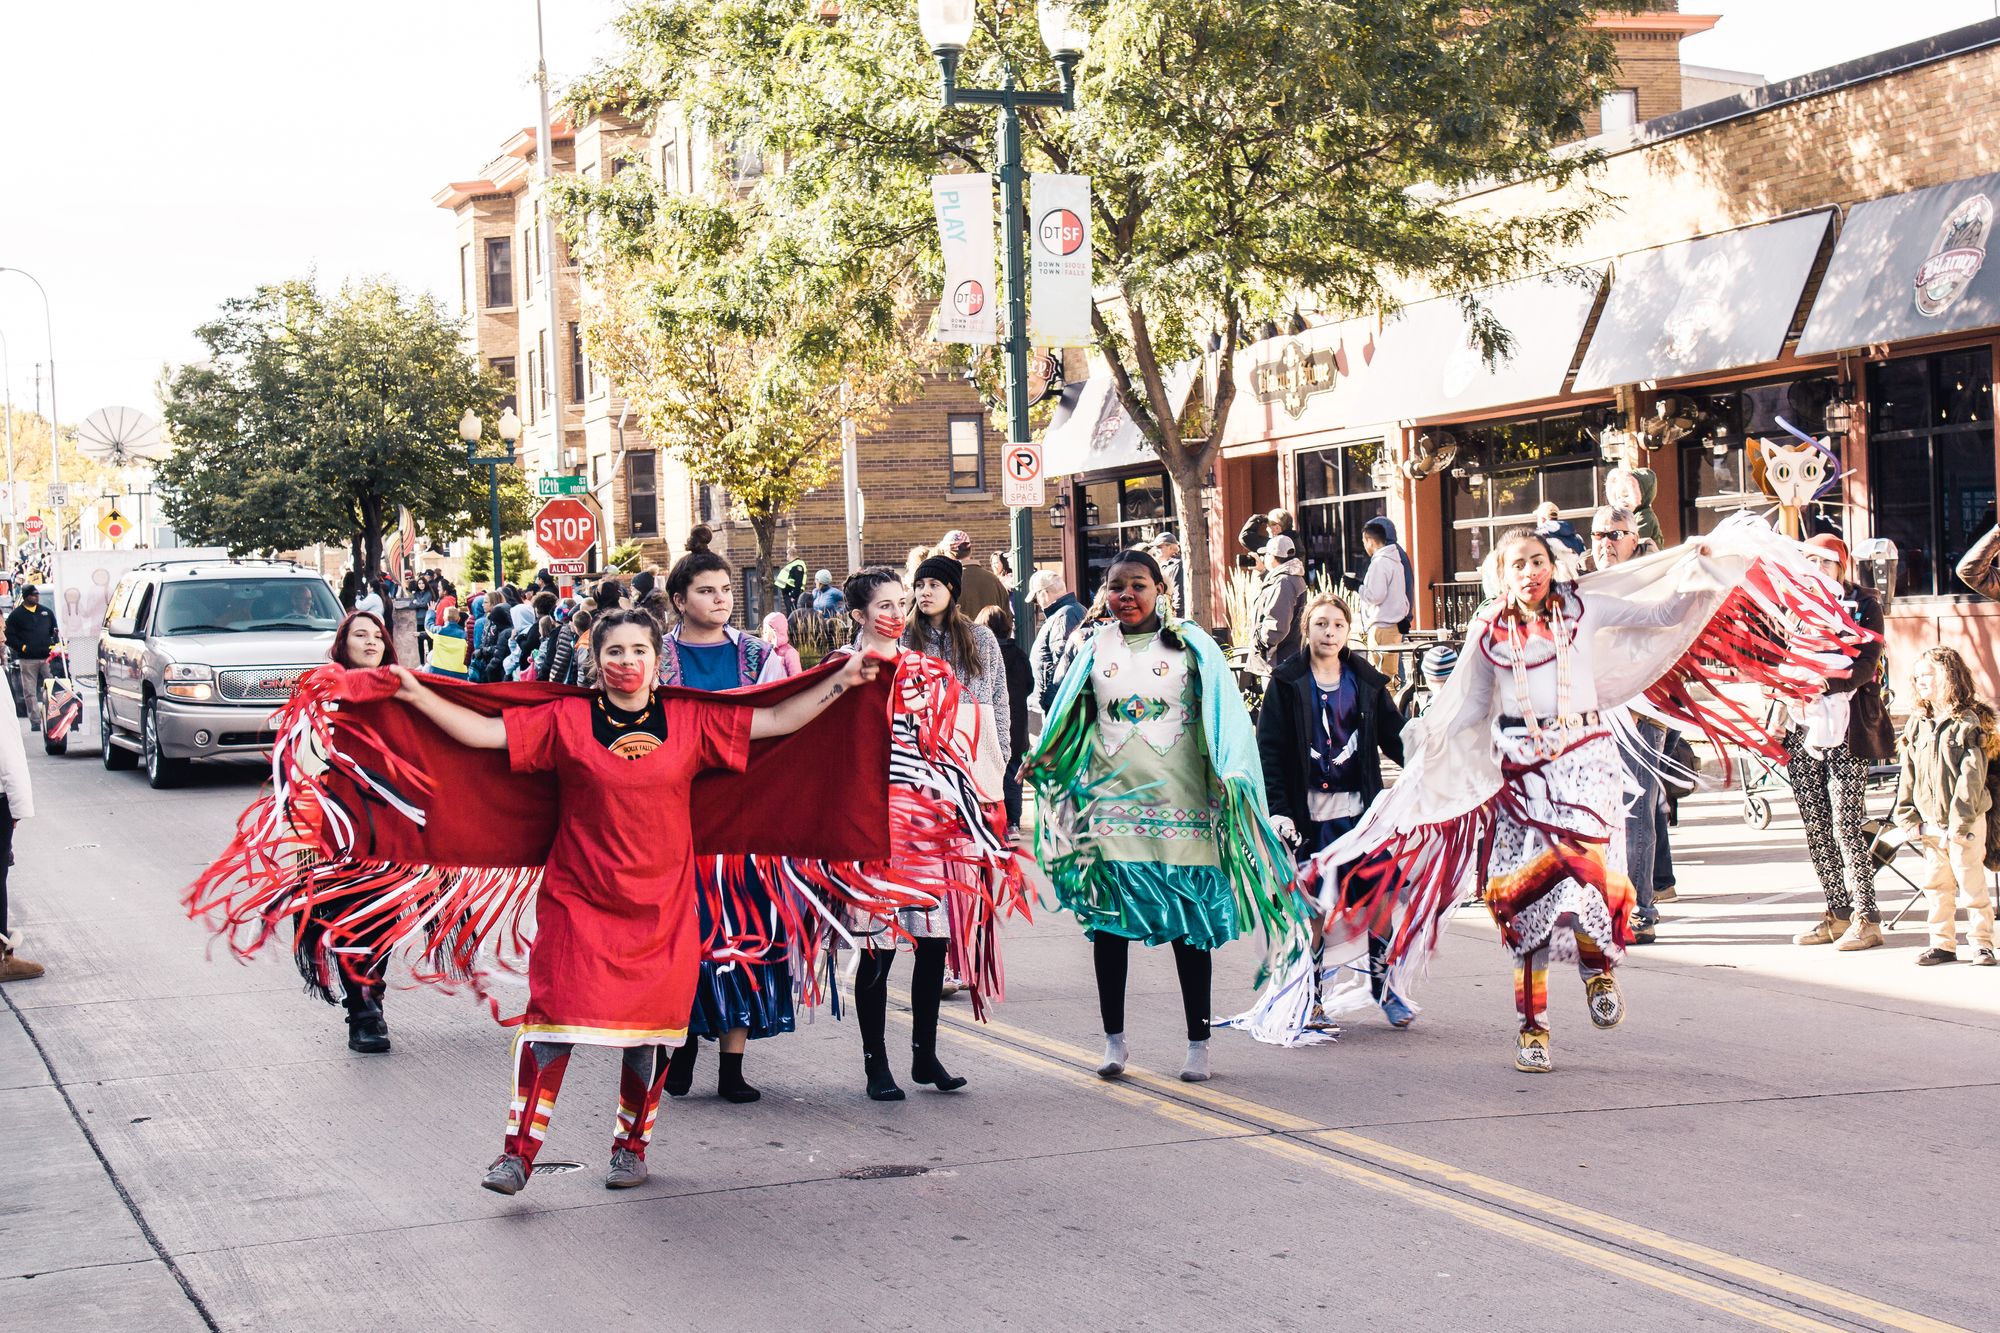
x=1531 y=977
x=538 y=1074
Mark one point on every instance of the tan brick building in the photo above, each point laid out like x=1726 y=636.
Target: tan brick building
x=1816 y=250
x=932 y=466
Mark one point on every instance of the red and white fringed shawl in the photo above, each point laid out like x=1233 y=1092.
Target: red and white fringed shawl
x=379 y=834
x=946 y=844
x=1759 y=619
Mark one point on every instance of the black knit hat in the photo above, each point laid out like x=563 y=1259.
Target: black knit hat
x=945 y=570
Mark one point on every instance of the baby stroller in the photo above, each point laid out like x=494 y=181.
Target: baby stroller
x=62 y=702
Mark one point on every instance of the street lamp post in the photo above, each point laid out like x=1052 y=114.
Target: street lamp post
x=470 y=429
x=947 y=26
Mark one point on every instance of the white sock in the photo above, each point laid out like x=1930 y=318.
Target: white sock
x=1115 y=1055
x=1196 y=1068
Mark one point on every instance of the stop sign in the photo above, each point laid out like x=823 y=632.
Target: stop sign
x=33 y=525
x=565 y=528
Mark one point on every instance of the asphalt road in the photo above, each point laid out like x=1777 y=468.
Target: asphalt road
x=1776 y=1137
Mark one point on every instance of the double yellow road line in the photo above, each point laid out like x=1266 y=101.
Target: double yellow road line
x=1708 y=1277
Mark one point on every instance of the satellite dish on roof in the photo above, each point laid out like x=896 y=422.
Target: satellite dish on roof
x=121 y=436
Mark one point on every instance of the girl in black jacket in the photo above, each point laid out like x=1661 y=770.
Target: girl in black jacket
x=1327 y=721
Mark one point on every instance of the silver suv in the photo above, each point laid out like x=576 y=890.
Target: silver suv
x=196 y=656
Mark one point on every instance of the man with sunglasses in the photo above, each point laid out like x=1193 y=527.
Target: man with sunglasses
x=1614 y=539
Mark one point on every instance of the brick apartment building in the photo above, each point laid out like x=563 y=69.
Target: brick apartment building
x=931 y=466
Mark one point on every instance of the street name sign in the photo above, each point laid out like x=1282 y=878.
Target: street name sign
x=566 y=485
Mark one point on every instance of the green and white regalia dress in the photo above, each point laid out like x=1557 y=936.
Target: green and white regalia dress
x=1151 y=821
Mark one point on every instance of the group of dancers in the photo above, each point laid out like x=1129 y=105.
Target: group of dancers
x=672 y=899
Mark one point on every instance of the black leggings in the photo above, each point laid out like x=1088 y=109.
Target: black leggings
x=1113 y=954
x=6 y=856
x=871 y=996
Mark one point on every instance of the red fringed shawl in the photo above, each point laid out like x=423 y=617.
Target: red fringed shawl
x=380 y=831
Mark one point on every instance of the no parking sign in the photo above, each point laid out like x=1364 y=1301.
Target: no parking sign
x=1021 y=483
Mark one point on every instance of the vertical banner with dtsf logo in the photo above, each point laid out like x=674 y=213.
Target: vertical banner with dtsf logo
x=1059 y=212
x=964 y=204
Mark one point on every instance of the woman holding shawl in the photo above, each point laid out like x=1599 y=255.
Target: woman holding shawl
x=616 y=951
x=932 y=758
x=1151 y=819
x=1514 y=779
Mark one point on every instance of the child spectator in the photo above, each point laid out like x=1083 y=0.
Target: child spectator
x=1942 y=800
x=448 y=645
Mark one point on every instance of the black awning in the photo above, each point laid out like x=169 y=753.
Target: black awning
x=1910 y=266
x=1712 y=303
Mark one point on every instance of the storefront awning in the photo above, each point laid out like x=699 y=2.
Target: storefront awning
x=1092 y=432
x=1298 y=383
x=1427 y=364
x=1712 y=303
x=1910 y=266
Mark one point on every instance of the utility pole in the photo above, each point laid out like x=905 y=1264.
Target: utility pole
x=545 y=156
x=13 y=500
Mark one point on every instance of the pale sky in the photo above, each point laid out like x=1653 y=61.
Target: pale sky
x=157 y=158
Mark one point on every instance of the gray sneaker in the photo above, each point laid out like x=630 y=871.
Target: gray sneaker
x=507 y=1175
x=628 y=1168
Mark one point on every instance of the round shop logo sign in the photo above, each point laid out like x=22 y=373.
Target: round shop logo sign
x=969 y=297
x=1956 y=256
x=1061 y=232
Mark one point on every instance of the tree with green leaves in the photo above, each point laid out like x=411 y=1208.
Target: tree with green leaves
x=315 y=416
x=1246 y=157
x=743 y=334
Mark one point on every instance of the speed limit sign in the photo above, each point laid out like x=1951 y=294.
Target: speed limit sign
x=1021 y=483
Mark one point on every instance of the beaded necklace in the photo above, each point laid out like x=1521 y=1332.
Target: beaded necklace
x=638 y=719
x=1517 y=639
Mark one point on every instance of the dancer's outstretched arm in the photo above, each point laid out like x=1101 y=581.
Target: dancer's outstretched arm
x=782 y=719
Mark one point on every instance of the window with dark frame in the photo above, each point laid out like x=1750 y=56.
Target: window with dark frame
x=576 y=362
x=534 y=380
x=499 y=270
x=642 y=499
x=542 y=380
x=1930 y=463
x=465 y=278
x=1335 y=495
x=503 y=366
x=538 y=239
x=1117 y=515
x=967 y=437
x=1517 y=465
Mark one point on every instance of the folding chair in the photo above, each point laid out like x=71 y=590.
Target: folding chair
x=1882 y=851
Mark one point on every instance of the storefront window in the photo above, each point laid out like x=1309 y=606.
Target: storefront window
x=1930 y=463
x=1506 y=468
x=1336 y=495
x=1716 y=479
x=1117 y=515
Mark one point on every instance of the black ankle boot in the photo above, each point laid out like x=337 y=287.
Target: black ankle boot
x=729 y=1084
x=881 y=1083
x=680 y=1067
x=366 y=1030
x=924 y=1068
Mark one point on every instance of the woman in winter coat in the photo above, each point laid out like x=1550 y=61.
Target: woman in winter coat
x=1834 y=740
x=496 y=635
x=1328 y=718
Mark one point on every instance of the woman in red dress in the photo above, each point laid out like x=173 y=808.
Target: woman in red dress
x=617 y=949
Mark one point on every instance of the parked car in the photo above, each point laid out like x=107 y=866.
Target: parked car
x=197 y=656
